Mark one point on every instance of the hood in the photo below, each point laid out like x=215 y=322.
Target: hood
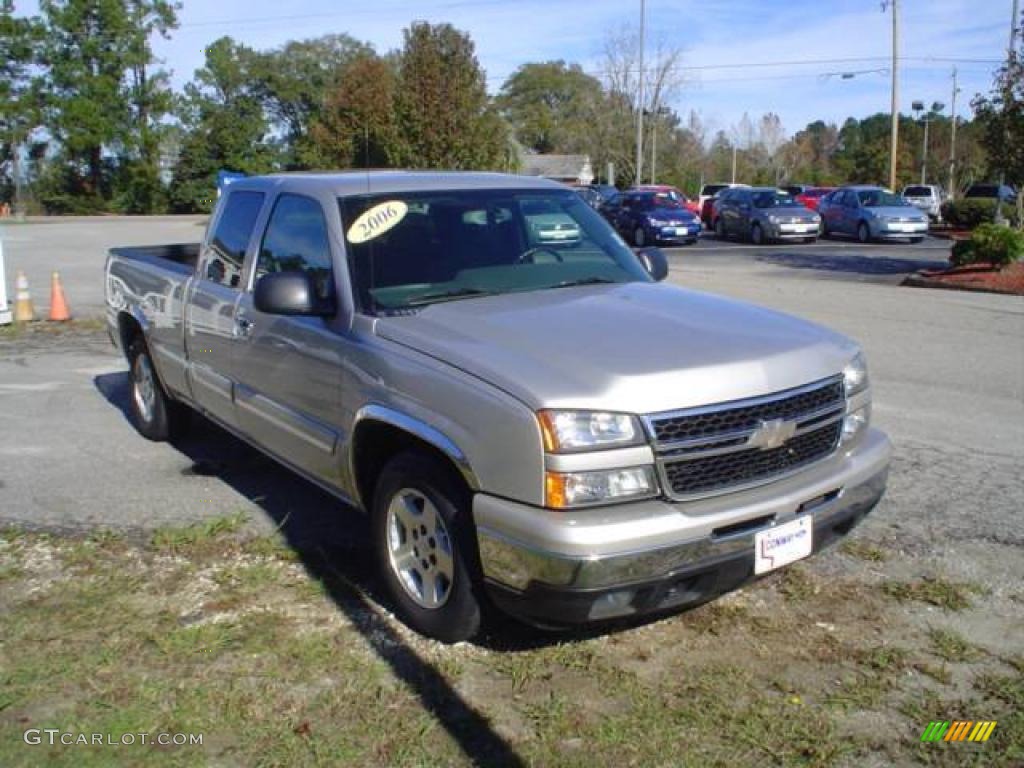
x=676 y=214
x=633 y=347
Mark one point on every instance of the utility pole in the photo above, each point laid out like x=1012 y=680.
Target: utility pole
x=734 y=162
x=1014 y=19
x=640 y=104
x=654 y=146
x=952 y=141
x=894 y=106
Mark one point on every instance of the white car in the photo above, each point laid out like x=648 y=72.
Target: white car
x=927 y=197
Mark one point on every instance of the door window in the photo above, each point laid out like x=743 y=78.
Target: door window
x=223 y=263
x=296 y=241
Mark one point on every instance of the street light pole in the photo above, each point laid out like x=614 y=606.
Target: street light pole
x=952 y=142
x=640 y=104
x=894 y=105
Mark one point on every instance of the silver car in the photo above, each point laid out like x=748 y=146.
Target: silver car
x=926 y=197
x=763 y=215
x=871 y=213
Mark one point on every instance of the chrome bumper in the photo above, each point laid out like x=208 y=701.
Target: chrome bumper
x=625 y=544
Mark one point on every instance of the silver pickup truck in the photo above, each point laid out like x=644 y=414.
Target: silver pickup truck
x=530 y=418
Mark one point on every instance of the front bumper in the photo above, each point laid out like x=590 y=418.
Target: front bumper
x=563 y=568
x=898 y=231
x=681 y=234
x=793 y=231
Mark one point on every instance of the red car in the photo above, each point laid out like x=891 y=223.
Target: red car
x=675 y=194
x=812 y=196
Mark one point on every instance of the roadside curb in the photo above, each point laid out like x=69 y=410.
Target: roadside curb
x=918 y=280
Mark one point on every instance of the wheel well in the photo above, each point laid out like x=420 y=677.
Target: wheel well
x=375 y=443
x=129 y=329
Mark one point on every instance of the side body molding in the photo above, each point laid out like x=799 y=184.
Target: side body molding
x=419 y=429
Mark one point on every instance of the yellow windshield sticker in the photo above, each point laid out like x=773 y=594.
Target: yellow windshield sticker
x=376 y=221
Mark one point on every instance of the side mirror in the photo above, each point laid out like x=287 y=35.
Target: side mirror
x=654 y=261
x=290 y=293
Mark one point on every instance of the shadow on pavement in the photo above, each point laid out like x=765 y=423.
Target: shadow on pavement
x=332 y=541
x=850 y=263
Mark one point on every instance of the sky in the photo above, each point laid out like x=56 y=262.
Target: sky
x=754 y=56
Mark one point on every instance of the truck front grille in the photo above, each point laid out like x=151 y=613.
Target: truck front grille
x=704 y=451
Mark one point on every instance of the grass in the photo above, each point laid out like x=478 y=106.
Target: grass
x=196 y=538
x=203 y=631
x=948 y=595
x=952 y=647
x=863 y=550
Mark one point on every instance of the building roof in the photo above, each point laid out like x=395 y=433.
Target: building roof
x=553 y=166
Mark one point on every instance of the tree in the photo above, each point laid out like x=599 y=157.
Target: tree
x=356 y=127
x=103 y=101
x=292 y=82
x=550 y=105
x=19 y=102
x=226 y=126
x=1001 y=115
x=444 y=116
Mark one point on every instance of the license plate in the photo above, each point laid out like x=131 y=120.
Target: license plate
x=783 y=544
x=909 y=228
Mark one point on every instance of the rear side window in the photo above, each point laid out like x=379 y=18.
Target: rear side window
x=918 y=192
x=296 y=241
x=231 y=238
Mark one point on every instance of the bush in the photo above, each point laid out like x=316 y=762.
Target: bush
x=970 y=212
x=989 y=244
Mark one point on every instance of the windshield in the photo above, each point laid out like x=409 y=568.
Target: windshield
x=713 y=189
x=773 y=199
x=917 y=192
x=879 y=198
x=409 y=249
x=983 y=190
x=660 y=200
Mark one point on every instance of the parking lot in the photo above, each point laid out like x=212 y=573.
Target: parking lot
x=948 y=378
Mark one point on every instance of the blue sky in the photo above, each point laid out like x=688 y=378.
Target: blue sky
x=756 y=38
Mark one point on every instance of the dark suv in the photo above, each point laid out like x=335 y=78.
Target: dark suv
x=651 y=217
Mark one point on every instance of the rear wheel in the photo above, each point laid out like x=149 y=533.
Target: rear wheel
x=154 y=414
x=863 y=233
x=423 y=535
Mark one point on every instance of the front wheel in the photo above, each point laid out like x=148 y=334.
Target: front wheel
x=154 y=414
x=639 y=237
x=423 y=536
x=863 y=233
x=757 y=235
x=720 y=228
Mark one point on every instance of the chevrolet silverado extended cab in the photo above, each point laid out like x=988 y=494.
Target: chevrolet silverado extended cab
x=535 y=422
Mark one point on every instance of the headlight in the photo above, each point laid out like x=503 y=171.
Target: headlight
x=563 y=490
x=774 y=219
x=855 y=423
x=855 y=375
x=570 y=431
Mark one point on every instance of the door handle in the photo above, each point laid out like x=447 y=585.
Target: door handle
x=243 y=326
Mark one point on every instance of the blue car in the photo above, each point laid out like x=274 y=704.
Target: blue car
x=647 y=218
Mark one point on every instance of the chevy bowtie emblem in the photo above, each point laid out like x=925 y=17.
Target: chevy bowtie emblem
x=772 y=434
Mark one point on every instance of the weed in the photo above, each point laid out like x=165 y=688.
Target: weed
x=949 y=646
x=948 y=595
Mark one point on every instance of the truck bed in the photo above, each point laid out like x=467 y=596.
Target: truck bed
x=179 y=257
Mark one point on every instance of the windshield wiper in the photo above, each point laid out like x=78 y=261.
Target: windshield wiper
x=581 y=281
x=453 y=295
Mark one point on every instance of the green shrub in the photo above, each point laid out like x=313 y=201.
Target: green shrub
x=970 y=212
x=989 y=244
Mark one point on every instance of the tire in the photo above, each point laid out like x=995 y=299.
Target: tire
x=639 y=237
x=417 y=488
x=757 y=234
x=153 y=413
x=720 y=228
x=863 y=233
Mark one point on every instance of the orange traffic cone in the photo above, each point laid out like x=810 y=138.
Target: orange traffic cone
x=58 y=304
x=24 y=312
